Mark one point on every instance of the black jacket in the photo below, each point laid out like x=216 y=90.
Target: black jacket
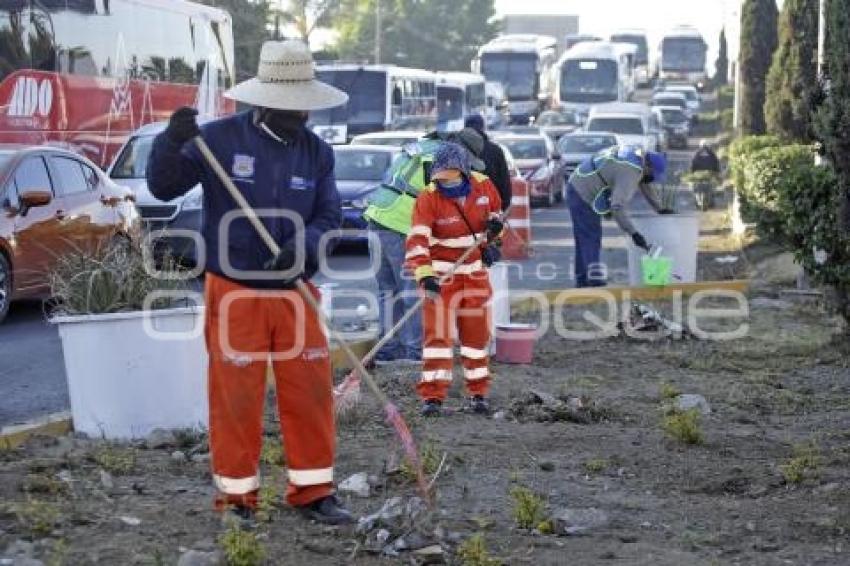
x=705 y=160
x=496 y=167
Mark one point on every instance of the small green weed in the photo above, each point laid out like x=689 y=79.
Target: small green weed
x=272 y=453
x=241 y=548
x=683 y=426
x=429 y=456
x=473 y=552
x=58 y=553
x=596 y=465
x=44 y=484
x=528 y=508
x=668 y=391
x=117 y=460
x=267 y=502
x=803 y=464
x=37 y=517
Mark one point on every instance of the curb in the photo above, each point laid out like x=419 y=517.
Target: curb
x=58 y=424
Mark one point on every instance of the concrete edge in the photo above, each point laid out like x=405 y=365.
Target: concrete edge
x=58 y=424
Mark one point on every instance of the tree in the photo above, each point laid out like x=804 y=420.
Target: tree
x=758 y=41
x=307 y=15
x=722 y=64
x=250 y=30
x=436 y=35
x=793 y=74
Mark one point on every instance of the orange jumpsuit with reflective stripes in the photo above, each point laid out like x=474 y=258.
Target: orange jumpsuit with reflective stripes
x=442 y=229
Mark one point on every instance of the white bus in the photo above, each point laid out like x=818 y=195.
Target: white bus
x=590 y=74
x=643 y=75
x=683 y=56
x=381 y=97
x=523 y=64
x=458 y=96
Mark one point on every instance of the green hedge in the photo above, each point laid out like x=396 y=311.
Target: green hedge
x=740 y=151
x=726 y=97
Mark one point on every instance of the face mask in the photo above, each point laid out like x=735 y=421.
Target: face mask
x=286 y=124
x=455 y=188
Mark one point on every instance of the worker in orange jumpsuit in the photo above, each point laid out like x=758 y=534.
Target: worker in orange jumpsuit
x=458 y=210
x=253 y=311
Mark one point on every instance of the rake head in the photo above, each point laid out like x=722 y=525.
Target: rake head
x=347 y=393
x=398 y=423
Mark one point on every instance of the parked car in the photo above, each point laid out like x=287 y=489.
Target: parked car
x=538 y=162
x=173 y=220
x=520 y=129
x=676 y=124
x=578 y=146
x=54 y=202
x=677 y=99
x=393 y=138
x=556 y=123
x=633 y=123
x=359 y=169
x=519 y=186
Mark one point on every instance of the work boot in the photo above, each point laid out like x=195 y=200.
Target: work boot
x=241 y=516
x=432 y=408
x=326 y=510
x=479 y=405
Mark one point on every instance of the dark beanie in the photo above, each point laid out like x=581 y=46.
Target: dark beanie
x=475 y=121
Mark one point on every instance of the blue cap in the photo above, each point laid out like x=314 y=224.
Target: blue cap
x=658 y=163
x=475 y=121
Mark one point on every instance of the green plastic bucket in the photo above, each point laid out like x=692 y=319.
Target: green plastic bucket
x=656 y=271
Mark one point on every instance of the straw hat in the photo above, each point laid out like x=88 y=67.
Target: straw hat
x=286 y=80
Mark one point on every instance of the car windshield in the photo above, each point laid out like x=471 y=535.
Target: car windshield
x=689 y=94
x=556 y=119
x=526 y=149
x=361 y=165
x=585 y=144
x=382 y=141
x=668 y=101
x=624 y=125
x=674 y=116
x=133 y=161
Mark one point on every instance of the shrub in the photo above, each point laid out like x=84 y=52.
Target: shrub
x=473 y=552
x=726 y=97
x=528 y=508
x=727 y=119
x=804 y=463
x=683 y=426
x=740 y=152
x=241 y=548
x=767 y=173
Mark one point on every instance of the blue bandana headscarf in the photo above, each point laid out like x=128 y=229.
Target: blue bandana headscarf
x=455 y=189
x=452 y=156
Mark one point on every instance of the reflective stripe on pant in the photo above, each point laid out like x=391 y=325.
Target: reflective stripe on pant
x=462 y=305
x=243 y=327
x=587 y=232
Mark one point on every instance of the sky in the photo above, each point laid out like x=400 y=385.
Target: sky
x=655 y=16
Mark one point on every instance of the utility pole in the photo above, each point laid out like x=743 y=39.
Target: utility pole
x=821 y=37
x=377 y=32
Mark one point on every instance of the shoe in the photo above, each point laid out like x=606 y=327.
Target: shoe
x=326 y=510
x=240 y=515
x=479 y=405
x=432 y=408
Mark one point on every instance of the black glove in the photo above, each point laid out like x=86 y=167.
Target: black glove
x=640 y=241
x=431 y=286
x=490 y=255
x=666 y=211
x=182 y=126
x=286 y=261
x=494 y=229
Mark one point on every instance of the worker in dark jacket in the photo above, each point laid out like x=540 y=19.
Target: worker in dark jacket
x=705 y=159
x=253 y=313
x=495 y=164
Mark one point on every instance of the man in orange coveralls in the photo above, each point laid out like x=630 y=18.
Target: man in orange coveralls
x=253 y=310
x=458 y=210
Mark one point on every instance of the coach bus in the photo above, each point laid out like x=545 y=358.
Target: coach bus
x=592 y=73
x=642 y=72
x=523 y=64
x=380 y=97
x=459 y=95
x=85 y=74
x=683 y=57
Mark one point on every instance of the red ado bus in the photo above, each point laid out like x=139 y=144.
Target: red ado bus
x=84 y=74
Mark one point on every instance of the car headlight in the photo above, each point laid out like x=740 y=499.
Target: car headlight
x=194 y=200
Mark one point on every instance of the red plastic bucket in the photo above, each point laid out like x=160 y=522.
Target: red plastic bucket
x=515 y=343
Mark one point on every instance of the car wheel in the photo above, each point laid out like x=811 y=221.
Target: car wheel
x=5 y=286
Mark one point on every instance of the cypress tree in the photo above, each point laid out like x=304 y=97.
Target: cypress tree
x=758 y=41
x=793 y=73
x=722 y=64
x=833 y=118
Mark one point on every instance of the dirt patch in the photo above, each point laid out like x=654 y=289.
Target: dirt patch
x=581 y=431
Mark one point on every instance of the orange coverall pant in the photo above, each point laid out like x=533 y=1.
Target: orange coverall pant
x=244 y=328
x=463 y=304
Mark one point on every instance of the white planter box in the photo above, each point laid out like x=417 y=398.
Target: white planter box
x=129 y=373
x=678 y=234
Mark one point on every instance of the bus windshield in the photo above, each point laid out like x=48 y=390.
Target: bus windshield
x=367 y=98
x=683 y=54
x=638 y=41
x=517 y=72
x=616 y=125
x=591 y=80
x=449 y=103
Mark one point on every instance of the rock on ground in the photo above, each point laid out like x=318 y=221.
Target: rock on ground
x=576 y=521
x=358 y=484
x=688 y=401
x=198 y=558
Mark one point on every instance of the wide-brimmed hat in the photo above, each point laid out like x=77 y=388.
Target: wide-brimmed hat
x=472 y=140
x=286 y=80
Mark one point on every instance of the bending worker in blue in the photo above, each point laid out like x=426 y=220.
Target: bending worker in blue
x=603 y=185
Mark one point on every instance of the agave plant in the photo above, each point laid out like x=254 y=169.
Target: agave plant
x=113 y=279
